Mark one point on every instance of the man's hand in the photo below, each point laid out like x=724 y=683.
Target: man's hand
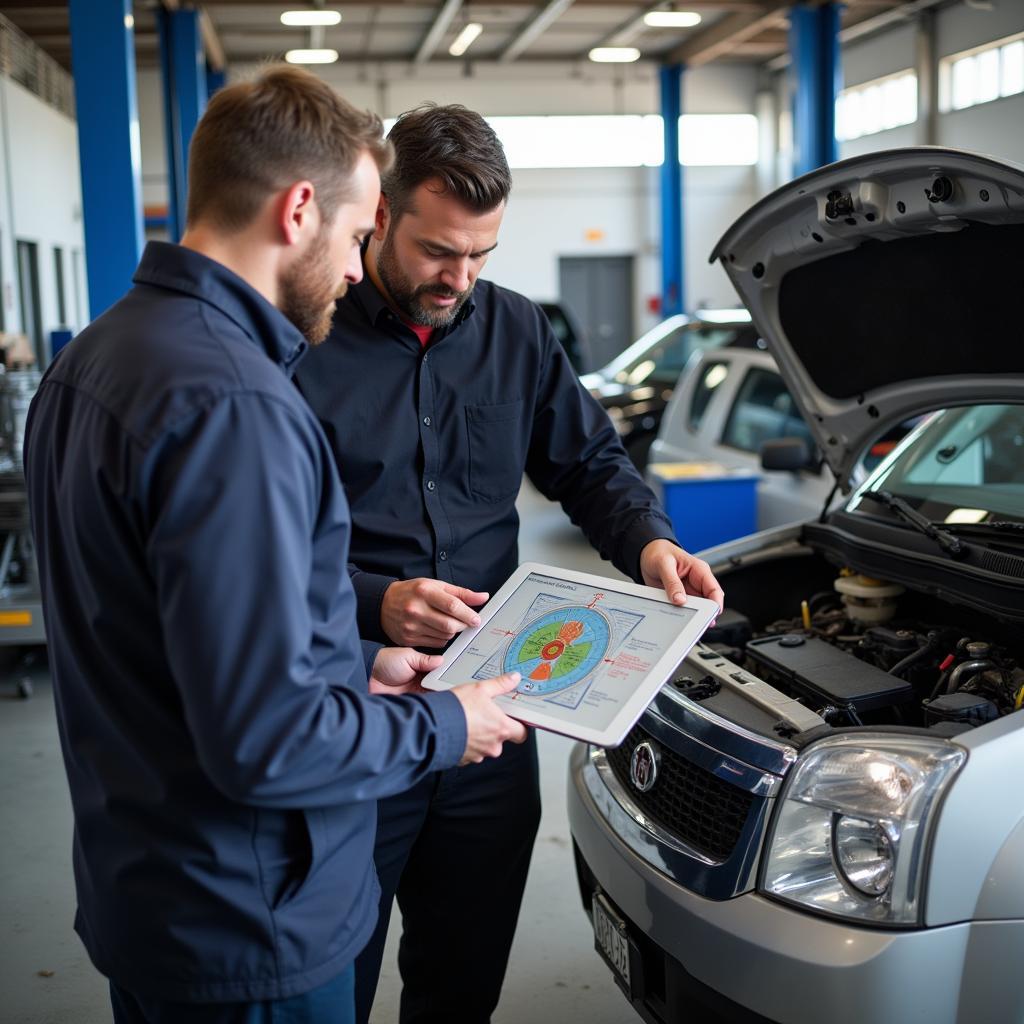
x=667 y=565
x=487 y=726
x=428 y=613
x=401 y=670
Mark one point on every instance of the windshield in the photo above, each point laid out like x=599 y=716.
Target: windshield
x=960 y=466
x=666 y=352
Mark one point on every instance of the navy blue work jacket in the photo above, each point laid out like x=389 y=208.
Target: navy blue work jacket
x=432 y=444
x=223 y=754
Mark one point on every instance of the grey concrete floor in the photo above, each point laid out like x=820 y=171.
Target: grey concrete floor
x=46 y=978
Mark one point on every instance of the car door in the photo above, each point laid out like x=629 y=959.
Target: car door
x=692 y=421
x=762 y=409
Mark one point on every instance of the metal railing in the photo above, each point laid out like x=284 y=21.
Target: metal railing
x=24 y=62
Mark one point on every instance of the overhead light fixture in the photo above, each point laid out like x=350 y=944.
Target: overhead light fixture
x=303 y=18
x=311 y=56
x=671 y=19
x=464 y=40
x=614 y=54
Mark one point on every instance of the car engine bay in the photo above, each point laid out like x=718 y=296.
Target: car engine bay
x=856 y=651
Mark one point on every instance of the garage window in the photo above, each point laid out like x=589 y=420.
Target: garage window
x=763 y=411
x=624 y=140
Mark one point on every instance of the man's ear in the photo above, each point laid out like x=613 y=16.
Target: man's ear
x=298 y=215
x=382 y=219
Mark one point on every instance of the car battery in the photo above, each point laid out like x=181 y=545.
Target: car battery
x=827 y=674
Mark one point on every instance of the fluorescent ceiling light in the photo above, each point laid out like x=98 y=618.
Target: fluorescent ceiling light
x=614 y=54
x=671 y=19
x=302 y=18
x=465 y=39
x=311 y=56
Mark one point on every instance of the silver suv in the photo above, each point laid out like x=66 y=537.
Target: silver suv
x=818 y=818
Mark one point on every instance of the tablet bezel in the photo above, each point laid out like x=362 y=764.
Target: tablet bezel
x=629 y=713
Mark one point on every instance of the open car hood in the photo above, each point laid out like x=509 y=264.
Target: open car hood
x=887 y=285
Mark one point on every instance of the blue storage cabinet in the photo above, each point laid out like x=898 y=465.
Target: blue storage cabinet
x=707 y=505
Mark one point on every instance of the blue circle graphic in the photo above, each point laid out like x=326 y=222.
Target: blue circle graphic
x=558 y=649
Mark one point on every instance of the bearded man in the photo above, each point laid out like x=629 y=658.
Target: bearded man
x=225 y=734
x=437 y=391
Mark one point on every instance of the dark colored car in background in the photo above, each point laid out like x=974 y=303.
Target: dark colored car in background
x=636 y=385
x=569 y=334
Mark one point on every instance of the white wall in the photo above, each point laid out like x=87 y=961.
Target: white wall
x=152 y=140
x=992 y=128
x=555 y=213
x=41 y=202
x=995 y=127
x=8 y=286
x=882 y=54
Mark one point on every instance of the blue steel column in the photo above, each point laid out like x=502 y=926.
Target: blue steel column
x=185 y=92
x=673 y=295
x=103 y=61
x=814 y=47
x=214 y=80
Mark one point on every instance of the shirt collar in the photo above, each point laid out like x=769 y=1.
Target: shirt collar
x=166 y=265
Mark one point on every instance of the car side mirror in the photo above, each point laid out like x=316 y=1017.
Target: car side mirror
x=786 y=453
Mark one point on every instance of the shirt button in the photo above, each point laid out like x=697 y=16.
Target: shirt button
x=443 y=555
x=426 y=421
x=431 y=485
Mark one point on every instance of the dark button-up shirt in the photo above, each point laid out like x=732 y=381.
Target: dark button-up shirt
x=222 y=750
x=432 y=443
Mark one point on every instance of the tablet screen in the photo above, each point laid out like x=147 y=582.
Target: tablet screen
x=581 y=651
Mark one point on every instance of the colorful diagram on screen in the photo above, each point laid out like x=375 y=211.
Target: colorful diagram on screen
x=557 y=650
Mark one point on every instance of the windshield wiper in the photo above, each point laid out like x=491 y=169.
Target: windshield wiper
x=996 y=525
x=949 y=543
x=1004 y=531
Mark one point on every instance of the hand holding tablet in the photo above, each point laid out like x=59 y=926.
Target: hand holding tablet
x=592 y=653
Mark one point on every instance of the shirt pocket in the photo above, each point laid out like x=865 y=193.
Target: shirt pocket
x=495 y=450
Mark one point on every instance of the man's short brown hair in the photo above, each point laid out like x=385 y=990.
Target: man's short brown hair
x=454 y=145
x=260 y=136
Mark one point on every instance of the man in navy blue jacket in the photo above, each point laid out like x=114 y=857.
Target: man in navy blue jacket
x=437 y=391
x=223 y=729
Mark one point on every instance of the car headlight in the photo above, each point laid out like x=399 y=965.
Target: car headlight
x=850 y=830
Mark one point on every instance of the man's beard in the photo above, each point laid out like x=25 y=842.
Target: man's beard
x=407 y=297
x=308 y=291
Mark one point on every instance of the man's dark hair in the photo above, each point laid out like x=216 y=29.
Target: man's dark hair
x=451 y=144
x=260 y=136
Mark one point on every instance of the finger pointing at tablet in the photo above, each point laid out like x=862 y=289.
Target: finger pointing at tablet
x=487 y=726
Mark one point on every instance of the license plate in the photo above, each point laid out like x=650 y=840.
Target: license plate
x=610 y=939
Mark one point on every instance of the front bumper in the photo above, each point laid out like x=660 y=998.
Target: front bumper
x=751 y=959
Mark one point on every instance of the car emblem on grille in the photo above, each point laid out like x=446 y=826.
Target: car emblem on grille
x=643 y=766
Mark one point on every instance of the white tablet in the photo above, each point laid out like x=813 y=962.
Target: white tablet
x=592 y=652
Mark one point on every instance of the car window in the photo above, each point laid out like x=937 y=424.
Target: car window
x=711 y=376
x=962 y=465
x=663 y=362
x=763 y=411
